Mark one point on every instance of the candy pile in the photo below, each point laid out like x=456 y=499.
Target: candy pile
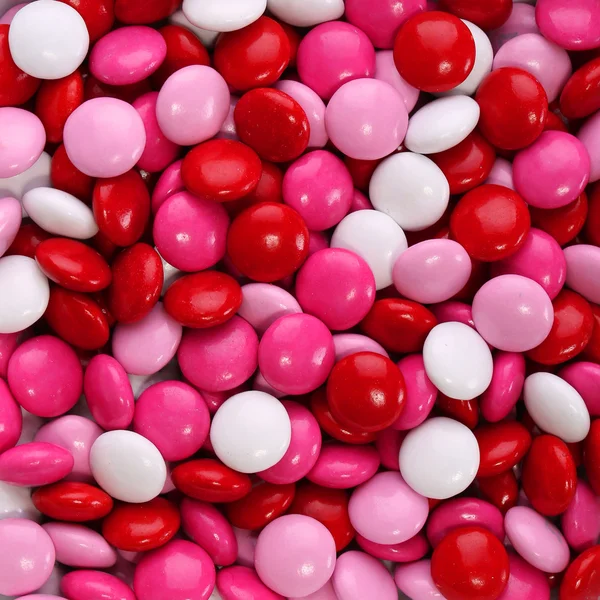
x=300 y=299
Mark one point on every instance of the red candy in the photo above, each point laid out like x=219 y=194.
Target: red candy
x=221 y=170
x=66 y=177
x=582 y=579
x=563 y=223
x=501 y=490
x=581 y=95
x=592 y=225
x=464 y=411
x=501 y=447
x=16 y=87
x=203 y=299
x=140 y=12
x=99 y=15
x=72 y=501
x=28 y=239
x=267 y=190
x=592 y=350
x=591 y=456
x=488 y=15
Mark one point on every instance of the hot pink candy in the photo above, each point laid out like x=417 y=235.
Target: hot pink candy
x=585 y=378
x=238 y=583
x=342 y=466
x=94 y=585
x=579 y=31
x=524 y=581
x=35 y=464
x=11 y=419
x=169 y=183
x=410 y=550
x=505 y=388
x=580 y=523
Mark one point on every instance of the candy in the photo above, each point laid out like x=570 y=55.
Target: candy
x=306 y=13
x=501 y=447
x=10 y=416
x=505 y=388
x=27 y=129
x=72 y=501
x=232 y=579
x=34 y=464
x=357 y=575
x=581 y=578
x=385 y=70
x=344 y=467
x=213 y=16
x=579 y=34
x=93 y=585
x=415 y=580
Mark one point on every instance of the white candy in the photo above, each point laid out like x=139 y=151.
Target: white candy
x=251 y=432
x=223 y=15
x=208 y=38
x=16 y=503
x=374 y=236
x=24 y=293
x=458 y=361
x=48 y=39
x=306 y=13
x=128 y=466
x=556 y=407
x=411 y=189
x=60 y=213
x=38 y=175
x=440 y=458
x=441 y=124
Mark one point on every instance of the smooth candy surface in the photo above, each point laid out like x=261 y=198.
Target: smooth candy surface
x=357 y=575
x=35 y=463
x=215 y=16
x=94 y=585
x=24 y=134
x=583 y=261
x=306 y=13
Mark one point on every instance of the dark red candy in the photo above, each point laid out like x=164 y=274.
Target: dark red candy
x=592 y=350
x=73 y=265
x=328 y=506
x=72 y=501
x=16 y=87
x=582 y=578
x=272 y=123
x=268 y=190
x=501 y=447
x=549 y=475
x=563 y=223
x=99 y=15
x=141 y=527
x=591 y=456
x=209 y=480
x=361 y=171
x=27 y=240
x=264 y=503
x=142 y=12
x=464 y=411
x=501 y=490
x=592 y=225
x=122 y=207
x=128 y=93
x=66 y=177
x=581 y=95
x=489 y=15
x=221 y=170
x=137 y=282
x=77 y=318
x=203 y=299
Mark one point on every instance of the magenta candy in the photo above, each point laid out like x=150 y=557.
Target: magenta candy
x=219 y=358
x=45 y=376
x=7 y=17
x=208 y=528
x=8 y=344
x=108 y=393
x=351 y=343
x=318 y=240
x=589 y=136
x=169 y=183
x=415 y=580
x=524 y=581
x=79 y=546
x=388 y=444
x=553 y=171
x=325 y=593
x=577 y=28
x=385 y=70
x=11 y=419
x=360 y=202
x=336 y=286
x=34 y=464
x=580 y=523
x=160 y=574
x=214 y=400
x=190 y=233
x=246 y=543
x=501 y=173
x=240 y=583
x=332 y=54
x=22 y=139
x=318 y=185
x=505 y=388
x=94 y=585
x=408 y=551
x=342 y=466
x=358 y=576
x=76 y=434
x=452 y=310
x=159 y=152
x=585 y=378
x=174 y=417
x=583 y=267
x=28 y=564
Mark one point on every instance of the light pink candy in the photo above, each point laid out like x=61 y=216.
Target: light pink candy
x=358 y=576
x=520 y=22
x=385 y=70
x=583 y=268
x=325 y=593
x=524 y=581
x=502 y=172
x=585 y=378
x=8 y=16
x=415 y=581
x=22 y=140
x=341 y=466
x=239 y=583
x=246 y=543
x=351 y=343
x=169 y=183
x=505 y=388
x=10 y=221
x=589 y=136
x=94 y=585
x=11 y=419
x=580 y=523
x=35 y=464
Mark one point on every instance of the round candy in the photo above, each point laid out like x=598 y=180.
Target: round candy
x=358 y=575
x=128 y=466
x=583 y=262
x=295 y=555
x=215 y=16
x=581 y=578
x=577 y=99
x=104 y=137
x=23 y=137
x=506 y=386
x=489 y=17
x=501 y=447
x=440 y=458
x=72 y=501
x=94 y=585
x=583 y=376
x=251 y=432
x=48 y=39
x=581 y=32
x=366 y=119
x=233 y=579
x=35 y=463
x=385 y=70
x=414 y=580
x=306 y=13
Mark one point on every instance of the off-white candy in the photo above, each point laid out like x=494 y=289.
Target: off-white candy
x=208 y=38
x=48 y=39
x=306 y=13
x=376 y=238
x=440 y=458
x=411 y=189
x=24 y=293
x=251 y=432
x=458 y=361
x=60 y=213
x=16 y=503
x=38 y=175
x=128 y=466
x=223 y=15
x=441 y=124
x=556 y=407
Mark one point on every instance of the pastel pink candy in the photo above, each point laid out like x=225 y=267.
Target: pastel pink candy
x=581 y=521
x=358 y=576
x=11 y=419
x=585 y=378
x=388 y=444
x=341 y=466
x=502 y=171
x=589 y=136
x=325 y=593
x=169 y=183
x=415 y=581
x=22 y=140
x=7 y=17
x=521 y=21
x=583 y=269
x=246 y=543
x=34 y=464
x=385 y=70
x=10 y=221
x=205 y=525
x=408 y=551
x=239 y=583
x=94 y=585
x=351 y=343
x=524 y=581
x=505 y=388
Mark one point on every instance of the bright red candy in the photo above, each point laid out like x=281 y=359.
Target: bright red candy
x=467 y=164
x=487 y=15
x=73 y=265
x=141 y=527
x=77 y=318
x=398 y=325
x=72 y=501
x=470 y=562
x=581 y=580
x=203 y=299
x=591 y=456
x=581 y=95
x=183 y=49
x=66 y=177
x=121 y=207
x=549 y=475
x=272 y=123
x=268 y=242
x=563 y=223
x=27 y=240
x=268 y=190
x=264 y=503
x=434 y=51
x=464 y=411
x=571 y=330
x=16 y=87
x=99 y=15
x=491 y=222
x=501 y=490
x=254 y=56
x=142 y=12
x=137 y=282
x=209 y=480
x=514 y=108
x=328 y=506
x=501 y=447
x=366 y=392
x=221 y=170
